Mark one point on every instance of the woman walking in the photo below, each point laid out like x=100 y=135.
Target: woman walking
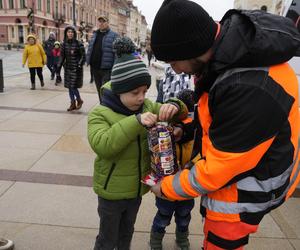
x=73 y=58
x=35 y=57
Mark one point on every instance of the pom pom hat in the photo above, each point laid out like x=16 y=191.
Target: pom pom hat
x=128 y=72
x=182 y=30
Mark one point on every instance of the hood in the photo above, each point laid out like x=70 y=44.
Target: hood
x=66 y=29
x=254 y=39
x=52 y=36
x=31 y=36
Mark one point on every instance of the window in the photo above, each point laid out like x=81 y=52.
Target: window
x=22 y=4
x=39 y=5
x=64 y=9
x=48 y=6
x=1 y=4
x=12 y=32
x=71 y=12
x=11 y=4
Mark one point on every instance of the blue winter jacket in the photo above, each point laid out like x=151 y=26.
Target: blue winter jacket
x=108 y=56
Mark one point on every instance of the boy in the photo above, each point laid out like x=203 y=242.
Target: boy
x=180 y=209
x=117 y=134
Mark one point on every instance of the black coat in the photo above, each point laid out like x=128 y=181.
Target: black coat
x=72 y=57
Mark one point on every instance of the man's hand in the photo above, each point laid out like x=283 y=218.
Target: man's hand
x=167 y=111
x=156 y=189
x=148 y=119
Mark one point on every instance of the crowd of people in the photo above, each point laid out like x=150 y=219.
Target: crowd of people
x=236 y=134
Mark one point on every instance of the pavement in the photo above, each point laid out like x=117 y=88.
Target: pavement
x=46 y=164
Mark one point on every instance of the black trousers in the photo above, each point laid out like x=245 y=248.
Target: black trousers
x=117 y=220
x=101 y=76
x=39 y=72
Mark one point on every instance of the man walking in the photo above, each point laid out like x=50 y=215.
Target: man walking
x=100 y=55
x=248 y=116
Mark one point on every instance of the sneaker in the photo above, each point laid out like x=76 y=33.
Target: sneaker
x=6 y=244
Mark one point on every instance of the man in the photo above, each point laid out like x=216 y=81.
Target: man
x=248 y=115
x=48 y=47
x=100 y=55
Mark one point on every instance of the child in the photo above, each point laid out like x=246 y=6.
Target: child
x=170 y=86
x=56 y=56
x=73 y=57
x=35 y=56
x=117 y=134
x=180 y=209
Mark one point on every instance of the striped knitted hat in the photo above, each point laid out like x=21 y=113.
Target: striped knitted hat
x=128 y=72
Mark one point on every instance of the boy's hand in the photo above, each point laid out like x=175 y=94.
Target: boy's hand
x=167 y=111
x=148 y=119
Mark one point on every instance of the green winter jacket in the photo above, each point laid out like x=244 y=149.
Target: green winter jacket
x=120 y=143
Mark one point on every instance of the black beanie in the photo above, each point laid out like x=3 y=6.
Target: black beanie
x=182 y=30
x=128 y=72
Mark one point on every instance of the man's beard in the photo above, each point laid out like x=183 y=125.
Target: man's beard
x=198 y=67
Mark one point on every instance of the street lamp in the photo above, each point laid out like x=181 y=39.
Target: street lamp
x=74 y=16
x=30 y=17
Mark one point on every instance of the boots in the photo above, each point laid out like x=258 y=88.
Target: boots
x=72 y=106
x=58 y=80
x=156 y=240
x=79 y=104
x=32 y=86
x=42 y=84
x=182 y=240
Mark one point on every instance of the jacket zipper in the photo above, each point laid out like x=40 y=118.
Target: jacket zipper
x=109 y=174
x=139 y=166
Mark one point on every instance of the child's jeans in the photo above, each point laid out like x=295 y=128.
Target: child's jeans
x=117 y=218
x=220 y=235
x=166 y=208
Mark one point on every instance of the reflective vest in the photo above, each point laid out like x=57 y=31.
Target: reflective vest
x=244 y=183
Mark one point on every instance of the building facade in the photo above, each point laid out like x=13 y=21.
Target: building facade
x=271 y=6
x=18 y=18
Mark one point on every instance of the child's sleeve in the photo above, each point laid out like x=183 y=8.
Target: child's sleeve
x=25 y=55
x=108 y=140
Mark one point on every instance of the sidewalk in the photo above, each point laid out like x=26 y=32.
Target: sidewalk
x=46 y=164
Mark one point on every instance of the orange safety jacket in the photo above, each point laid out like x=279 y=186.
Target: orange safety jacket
x=250 y=151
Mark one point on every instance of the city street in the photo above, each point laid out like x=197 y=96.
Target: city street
x=46 y=167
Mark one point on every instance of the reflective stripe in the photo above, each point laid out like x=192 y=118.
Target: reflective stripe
x=194 y=183
x=177 y=187
x=236 y=208
x=254 y=185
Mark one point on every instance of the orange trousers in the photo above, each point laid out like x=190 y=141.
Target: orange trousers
x=221 y=235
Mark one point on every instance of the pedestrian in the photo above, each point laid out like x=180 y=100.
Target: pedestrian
x=117 y=134
x=35 y=57
x=73 y=58
x=56 y=57
x=149 y=55
x=180 y=209
x=100 y=55
x=248 y=116
x=48 y=47
x=6 y=244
